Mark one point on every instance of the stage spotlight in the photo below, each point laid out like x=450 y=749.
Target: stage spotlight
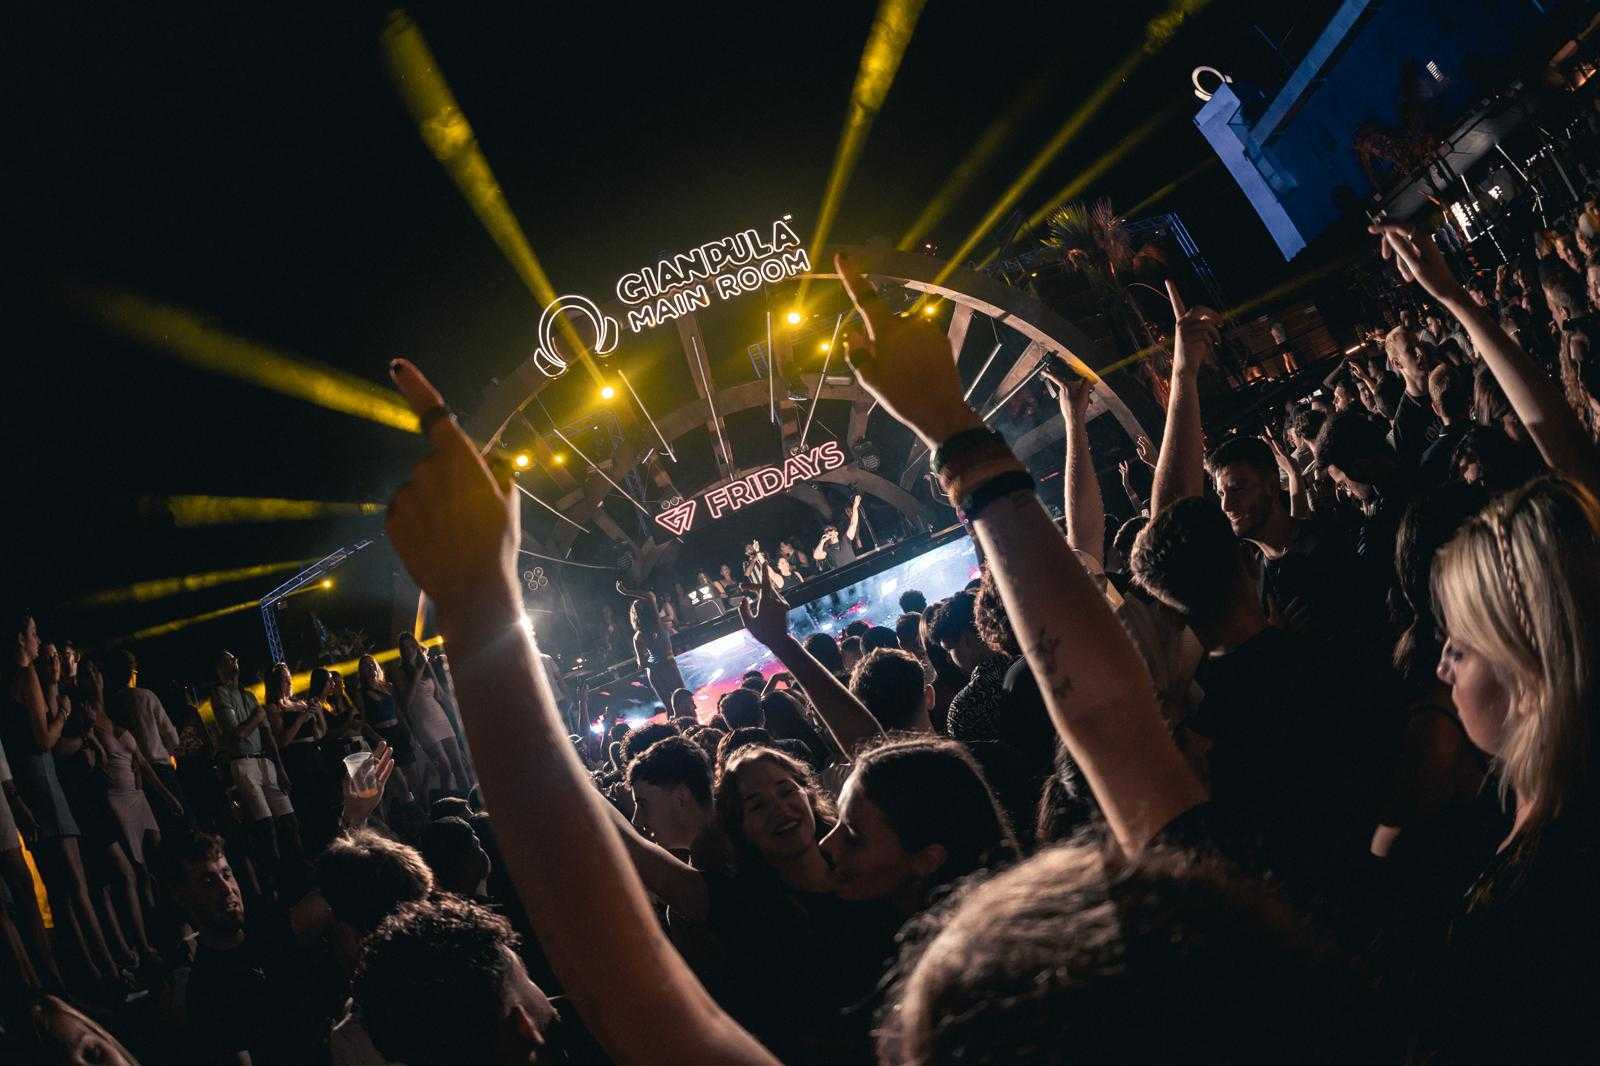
x=794 y=318
x=522 y=460
x=326 y=583
x=824 y=347
x=607 y=392
x=930 y=309
x=866 y=454
x=560 y=458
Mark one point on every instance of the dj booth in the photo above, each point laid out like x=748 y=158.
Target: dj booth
x=714 y=654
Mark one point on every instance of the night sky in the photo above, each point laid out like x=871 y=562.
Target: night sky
x=255 y=166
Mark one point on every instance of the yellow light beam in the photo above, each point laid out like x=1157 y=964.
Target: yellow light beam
x=1096 y=170
x=977 y=159
x=188 y=337
x=1158 y=32
x=188 y=511
x=163 y=587
x=1171 y=186
x=880 y=59
x=1277 y=292
x=448 y=135
x=193 y=620
x=176 y=624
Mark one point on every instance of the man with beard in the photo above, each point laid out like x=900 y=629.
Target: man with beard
x=235 y=998
x=1309 y=577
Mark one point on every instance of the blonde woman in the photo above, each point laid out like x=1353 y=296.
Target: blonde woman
x=1518 y=590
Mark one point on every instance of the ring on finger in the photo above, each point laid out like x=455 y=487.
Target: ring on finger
x=434 y=415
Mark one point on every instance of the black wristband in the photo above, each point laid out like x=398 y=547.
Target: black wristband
x=965 y=441
x=992 y=490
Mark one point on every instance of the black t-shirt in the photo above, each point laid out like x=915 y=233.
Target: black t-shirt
x=800 y=967
x=1301 y=738
x=267 y=996
x=235 y=1003
x=837 y=553
x=1413 y=423
x=1320 y=588
x=1437 y=464
x=1518 y=982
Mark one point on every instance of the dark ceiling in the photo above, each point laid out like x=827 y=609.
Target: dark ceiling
x=255 y=166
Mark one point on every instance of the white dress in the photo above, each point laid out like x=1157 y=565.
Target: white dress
x=428 y=719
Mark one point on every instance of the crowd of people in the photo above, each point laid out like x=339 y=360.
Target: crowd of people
x=1296 y=764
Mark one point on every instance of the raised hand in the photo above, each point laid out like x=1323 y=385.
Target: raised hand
x=1073 y=394
x=454 y=523
x=1196 y=331
x=1418 y=259
x=905 y=364
x=765 y=614
x=361 y=800
x=1277 y=450
x=1144 y=450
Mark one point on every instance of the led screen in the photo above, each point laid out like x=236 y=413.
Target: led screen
x=715 y=667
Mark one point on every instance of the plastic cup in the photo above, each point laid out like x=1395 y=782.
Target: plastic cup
x=360 y=767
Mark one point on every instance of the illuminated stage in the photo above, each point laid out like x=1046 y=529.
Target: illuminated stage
x=714 y=655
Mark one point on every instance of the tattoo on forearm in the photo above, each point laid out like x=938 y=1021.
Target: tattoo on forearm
x=1045 y=646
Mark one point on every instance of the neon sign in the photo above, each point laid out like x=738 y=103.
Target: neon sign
x=753 y=487
x=678 y=285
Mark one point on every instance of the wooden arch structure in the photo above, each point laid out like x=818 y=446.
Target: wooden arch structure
x=969 y=292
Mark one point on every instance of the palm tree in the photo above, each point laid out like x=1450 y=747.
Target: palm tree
x=1091 y=241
